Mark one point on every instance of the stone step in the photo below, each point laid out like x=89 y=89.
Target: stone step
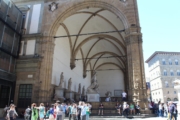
x=120 y=116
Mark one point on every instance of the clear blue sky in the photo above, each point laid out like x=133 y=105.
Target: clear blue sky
x=160 y=23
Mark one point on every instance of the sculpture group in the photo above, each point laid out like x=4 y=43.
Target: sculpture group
x=94 y=87
x=63 y=92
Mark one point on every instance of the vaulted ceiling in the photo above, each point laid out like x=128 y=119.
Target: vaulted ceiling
x=99 y=49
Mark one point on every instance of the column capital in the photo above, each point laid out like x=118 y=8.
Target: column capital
x=133 y=35
x=133 y=30
x=133 y=38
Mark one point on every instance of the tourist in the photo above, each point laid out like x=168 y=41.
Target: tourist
x=34 y=113
x=83 y=111
x=138 y=109
x=79 y=110
x=69 y=109
x=74 y=111
x=11 y=113
x=156 y=109
x=5 y=111
x=88 y=107
x=124 y=95
x=101 y=107
x=47 y=106
x=59 y=111
x=160 y=110
x=64 y=110
x=27 y=113
x=175 y=112
x=165 y=109
x=47 y=114
x=51 y=113
x=118 y=107
x=41 y=111
x=172 y=110
x=150 y=106
x=125 y=109
x=132 y=109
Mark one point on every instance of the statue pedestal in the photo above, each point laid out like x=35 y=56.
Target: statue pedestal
x=93 y=97
x=59 y=94
x=70 y=95
x=77 y=96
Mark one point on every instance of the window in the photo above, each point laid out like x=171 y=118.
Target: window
x=175 y=99
x=25 y=93
x=170 y=62
x=174 y=92
x=168 y=99
x=171 y=72
x=178 y=73
x=163 y=62
x=167 y=92
x=165 y=73
x=4 y=61
x=166 y=84
x=176 y=62
x=4 y=95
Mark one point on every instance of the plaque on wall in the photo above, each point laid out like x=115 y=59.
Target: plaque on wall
x=117 y=93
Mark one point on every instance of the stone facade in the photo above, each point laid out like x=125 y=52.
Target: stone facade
x=164 y=68
x=50 y=56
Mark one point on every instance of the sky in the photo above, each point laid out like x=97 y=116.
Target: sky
x=160 y=26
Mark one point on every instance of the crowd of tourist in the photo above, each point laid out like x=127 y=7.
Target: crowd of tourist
x=56 y=111
x=168 y=109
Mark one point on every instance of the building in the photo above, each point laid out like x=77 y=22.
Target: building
x=76 y=38
x=11 y=19
x=164 y=68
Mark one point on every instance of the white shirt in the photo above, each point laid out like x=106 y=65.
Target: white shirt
x=83 y=110
x=124 y=94
x=160 y=107
x=58 y=110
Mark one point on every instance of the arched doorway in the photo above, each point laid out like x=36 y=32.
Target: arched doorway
x=78 y=17
x=104 y=53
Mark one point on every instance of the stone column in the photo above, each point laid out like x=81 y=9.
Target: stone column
x=135 y=63
x=46 y=89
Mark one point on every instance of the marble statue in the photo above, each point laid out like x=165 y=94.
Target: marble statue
x=79 y=88
x=108 y=94
x=61 y=80
x=94 y=87
x=69 y=84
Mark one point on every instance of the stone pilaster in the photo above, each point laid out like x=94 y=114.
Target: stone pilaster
x=136 y=78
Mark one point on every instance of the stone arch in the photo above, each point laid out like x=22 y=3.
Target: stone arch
x=99 y=4
x=109 y=63
x=99 y=36
x=106 y=52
